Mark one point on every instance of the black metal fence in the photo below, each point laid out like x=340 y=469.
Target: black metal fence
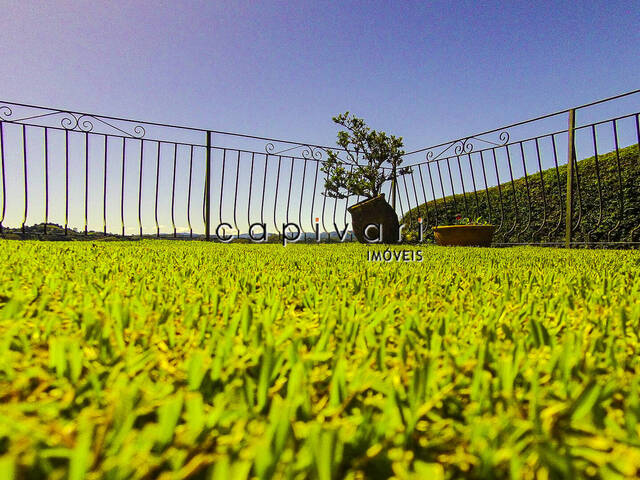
x=96 y=174
x=73 y=173
x=519 y=178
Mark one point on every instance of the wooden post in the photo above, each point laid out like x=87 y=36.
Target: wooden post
x=207 y=191
x=571 y=157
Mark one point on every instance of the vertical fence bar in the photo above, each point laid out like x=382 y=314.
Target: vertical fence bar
x=558 y=184
x=275 y=200
x=140 y=188
x=207 y=190
x=475 y=191
x=4 y=187
x=313 y=195
x=189 y=193
x=104 y=189
x=46 y=179
x=86 y=183
x=433 y=194
x=595 y=157
x=264 y=187
x=526 y=183
x=406 y=192
x=345 y=213
x=224 y=162
x=495 y=165
x=157 y=182
x=289 y=192
x=304 y=173
x=324 y=204
x=124 y=158
x=26 y=193
x=544 y=197
x=393 y=187
x=424 y=195
x=66 y=181
x=515 y=196
x=253 y=156
x=576 y=171
x=399 y=198
x=415 y=194
x=453 y=191
x=570 y=158
x=486 y=186
x=173 y=189
x=444 y=196
x=633 y=231
x=235 y=196
x=464 y=193
x=335 y=209
x=620 y=187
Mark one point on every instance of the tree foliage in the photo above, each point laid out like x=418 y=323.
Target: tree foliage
x=363 y=172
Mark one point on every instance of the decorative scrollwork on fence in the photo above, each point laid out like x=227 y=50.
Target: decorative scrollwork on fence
x=80 y=122
x=308 y=153
x=72 y=121
x=85 y=124
x=138 y=130
x=431 y=156
x=69 y=122
x=466 y=146
x=269 y=148
x=311 y=153
x=5 y=112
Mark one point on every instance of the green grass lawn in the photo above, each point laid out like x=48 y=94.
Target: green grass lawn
x=169 y=360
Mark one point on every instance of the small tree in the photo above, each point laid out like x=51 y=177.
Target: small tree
x=367 y=150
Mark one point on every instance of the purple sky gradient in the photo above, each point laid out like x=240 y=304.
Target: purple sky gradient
x=428 y=71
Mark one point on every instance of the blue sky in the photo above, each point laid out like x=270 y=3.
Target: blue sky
x=427 y=71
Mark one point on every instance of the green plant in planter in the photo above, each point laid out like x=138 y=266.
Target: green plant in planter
x=470 y=221
x=367 y=151
x=363 y=174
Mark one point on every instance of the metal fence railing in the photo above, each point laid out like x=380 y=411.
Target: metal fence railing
x=93 y=174
x=71 y=173
x=518 y=179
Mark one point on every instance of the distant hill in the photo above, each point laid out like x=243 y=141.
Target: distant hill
x=587 y=209
x=56 y=232
x=53 y=232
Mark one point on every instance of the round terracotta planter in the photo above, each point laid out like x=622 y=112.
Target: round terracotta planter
x=464 y=235
x=374 y=210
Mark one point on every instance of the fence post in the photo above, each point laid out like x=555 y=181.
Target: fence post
x=393 y=188
x=571 y=157
x=207 y=188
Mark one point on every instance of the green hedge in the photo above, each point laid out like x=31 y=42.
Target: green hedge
x=612 y=227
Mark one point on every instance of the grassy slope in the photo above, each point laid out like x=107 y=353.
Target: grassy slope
x=136 y=360
x=554 y=225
